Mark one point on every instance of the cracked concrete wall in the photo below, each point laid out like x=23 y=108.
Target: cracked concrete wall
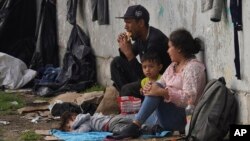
x=168 y=15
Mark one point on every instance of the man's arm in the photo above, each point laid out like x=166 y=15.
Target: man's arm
x=125 y=47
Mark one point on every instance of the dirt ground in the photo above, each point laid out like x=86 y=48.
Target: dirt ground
x=12 y=131
x=18 y=124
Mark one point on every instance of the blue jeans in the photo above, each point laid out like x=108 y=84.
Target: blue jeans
x=170 y=117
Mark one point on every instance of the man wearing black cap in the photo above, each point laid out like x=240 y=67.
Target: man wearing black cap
x=126 y=68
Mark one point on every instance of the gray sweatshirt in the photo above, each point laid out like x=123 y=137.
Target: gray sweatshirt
x=86 y=122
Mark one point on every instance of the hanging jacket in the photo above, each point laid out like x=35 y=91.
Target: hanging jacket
x=100 y=11
x=215 y=6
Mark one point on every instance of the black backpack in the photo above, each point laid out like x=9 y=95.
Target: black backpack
x=214 y=113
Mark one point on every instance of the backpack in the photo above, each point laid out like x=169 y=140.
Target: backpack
x=215 y=111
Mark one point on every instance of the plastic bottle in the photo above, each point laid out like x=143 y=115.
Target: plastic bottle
x=189 y=111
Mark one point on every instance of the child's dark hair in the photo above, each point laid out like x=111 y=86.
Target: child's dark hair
x=151 y=56
x=65 y=117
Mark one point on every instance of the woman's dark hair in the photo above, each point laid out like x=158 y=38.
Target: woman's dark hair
x=151 y=56
x=183 y=40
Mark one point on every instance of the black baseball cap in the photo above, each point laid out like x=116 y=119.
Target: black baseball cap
x=136 y=12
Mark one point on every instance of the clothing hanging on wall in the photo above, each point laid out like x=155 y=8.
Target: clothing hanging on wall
x=100 y=9
x=215 y=6
x=46 y=37
x=78 y=70
x=236 y=14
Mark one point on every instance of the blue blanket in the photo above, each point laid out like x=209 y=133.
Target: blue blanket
x=96 y=136
x=88 y=136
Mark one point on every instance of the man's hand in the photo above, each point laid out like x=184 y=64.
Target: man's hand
x=125 y=46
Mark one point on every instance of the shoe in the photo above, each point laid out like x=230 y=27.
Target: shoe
x=157 y=129
x=151 y=130
x=146 y=130
x=131 y=131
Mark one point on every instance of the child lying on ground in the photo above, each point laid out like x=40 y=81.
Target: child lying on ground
x=73 y=122
x=79 y=123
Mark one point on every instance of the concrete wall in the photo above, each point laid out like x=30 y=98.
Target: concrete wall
x=168 y=15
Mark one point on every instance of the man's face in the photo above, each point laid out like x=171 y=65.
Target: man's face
x=132 y=26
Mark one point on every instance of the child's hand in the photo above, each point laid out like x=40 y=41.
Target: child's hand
x=147 y=88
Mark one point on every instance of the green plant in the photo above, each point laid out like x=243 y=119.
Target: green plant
x=30 y=136
x=9 y=103
x=96 y=87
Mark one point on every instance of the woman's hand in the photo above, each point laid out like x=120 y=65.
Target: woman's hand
x=125 y=46
x=152 y=89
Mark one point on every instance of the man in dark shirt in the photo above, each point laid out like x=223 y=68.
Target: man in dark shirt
x=126 y=71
